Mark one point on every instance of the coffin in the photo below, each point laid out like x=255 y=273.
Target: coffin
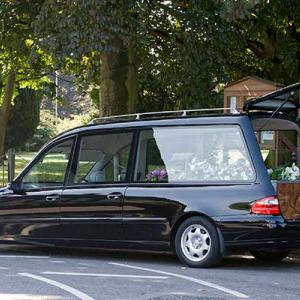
x=289 y=198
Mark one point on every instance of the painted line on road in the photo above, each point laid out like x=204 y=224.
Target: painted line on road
x=58 y=261
x=60 y=285
x=105 y=275
x=24 y=256
x=202 y=282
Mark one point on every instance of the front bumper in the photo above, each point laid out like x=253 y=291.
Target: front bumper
x=259 y=232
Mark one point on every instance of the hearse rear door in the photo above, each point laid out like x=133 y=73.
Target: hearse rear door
x=276 y=111
x=283 y=101
x=275 y=119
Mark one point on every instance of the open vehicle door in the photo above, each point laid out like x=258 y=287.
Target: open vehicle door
x=275 y=120
x=285 y=100
x=275 y=111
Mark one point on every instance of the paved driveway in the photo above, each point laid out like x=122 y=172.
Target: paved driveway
x=32 y=273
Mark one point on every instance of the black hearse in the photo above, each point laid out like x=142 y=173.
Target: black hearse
x=190 y=181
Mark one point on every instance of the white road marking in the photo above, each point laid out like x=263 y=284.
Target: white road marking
x=62 y=286
x=106 y=275
x=28 y=297
x=24 y=256
x=202 y=282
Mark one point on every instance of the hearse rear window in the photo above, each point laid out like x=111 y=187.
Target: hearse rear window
x=193 y=154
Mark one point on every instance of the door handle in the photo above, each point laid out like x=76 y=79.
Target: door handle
x=114 y=196
x=52 y=198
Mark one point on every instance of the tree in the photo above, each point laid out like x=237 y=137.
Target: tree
x=24 y=118
x=5 y=106
x=180 y=49
x=190 y=49
x=134 y=48
x=21 y=63
x=93 y=39
x=265 y=39
x=170 y=54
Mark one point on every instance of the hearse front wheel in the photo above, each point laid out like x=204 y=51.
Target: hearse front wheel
x=197 y=243
x=270 y=256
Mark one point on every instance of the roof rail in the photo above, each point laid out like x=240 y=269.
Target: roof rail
x=179 y=113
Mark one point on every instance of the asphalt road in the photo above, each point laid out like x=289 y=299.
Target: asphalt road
x=29 y=273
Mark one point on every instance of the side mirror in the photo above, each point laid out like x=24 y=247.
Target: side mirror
x=16 y=187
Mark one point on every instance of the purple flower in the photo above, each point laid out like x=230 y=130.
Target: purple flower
x=157 y=175
x=163 y=173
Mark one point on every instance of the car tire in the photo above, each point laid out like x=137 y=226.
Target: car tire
x=197 y=243
x=269 y=256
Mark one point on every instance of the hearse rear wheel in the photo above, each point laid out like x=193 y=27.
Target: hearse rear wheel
x=269 y=256
x=197 y=243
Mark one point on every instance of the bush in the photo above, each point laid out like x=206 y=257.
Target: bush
x=49 y=127
x=44 y=132
x=24 y=118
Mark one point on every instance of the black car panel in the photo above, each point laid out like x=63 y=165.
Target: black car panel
x=31 y=214
x=91 y=213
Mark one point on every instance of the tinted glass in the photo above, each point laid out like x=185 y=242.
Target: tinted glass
x=103 y=158
x=51 y=169
x=193 y=153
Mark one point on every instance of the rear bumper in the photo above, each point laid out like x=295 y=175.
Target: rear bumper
x=259 y=232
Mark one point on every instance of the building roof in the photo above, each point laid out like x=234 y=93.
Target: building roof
x=276 y=84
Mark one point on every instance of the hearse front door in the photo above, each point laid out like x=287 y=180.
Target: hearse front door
x=31 y=213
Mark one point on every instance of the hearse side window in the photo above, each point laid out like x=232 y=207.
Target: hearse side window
x=51 y=169
x=103 y=158
x=193 y=153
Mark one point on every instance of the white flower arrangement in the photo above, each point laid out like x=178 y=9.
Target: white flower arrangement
x=291 y=173
x=215 y=168
x=285 y=173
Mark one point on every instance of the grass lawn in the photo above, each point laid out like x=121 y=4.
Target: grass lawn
x=22 y=159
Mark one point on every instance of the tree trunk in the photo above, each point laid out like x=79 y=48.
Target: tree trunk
x=113 y=90
x=118 y=89
x=5 y=108
x=132 y=78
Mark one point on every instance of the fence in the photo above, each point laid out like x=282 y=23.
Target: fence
x=3 y=171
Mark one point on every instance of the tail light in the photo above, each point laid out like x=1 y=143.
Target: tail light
x=266 y=206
